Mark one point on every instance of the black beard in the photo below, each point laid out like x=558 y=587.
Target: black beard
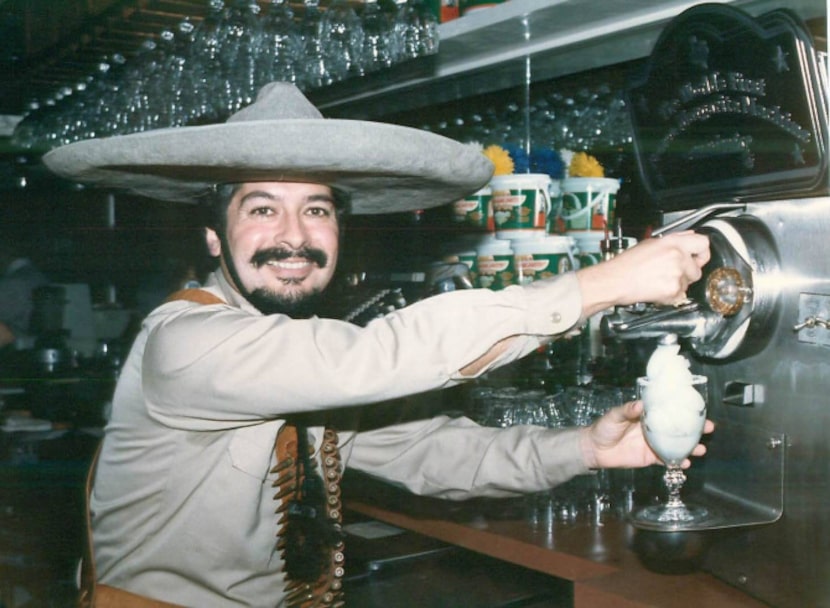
x=296 y=306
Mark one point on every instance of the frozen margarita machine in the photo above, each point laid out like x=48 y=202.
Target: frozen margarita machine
x=730 y=122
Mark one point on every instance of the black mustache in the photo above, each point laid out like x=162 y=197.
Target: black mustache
x=275 y=254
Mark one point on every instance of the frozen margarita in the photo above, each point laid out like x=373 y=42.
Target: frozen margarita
x=675 y=409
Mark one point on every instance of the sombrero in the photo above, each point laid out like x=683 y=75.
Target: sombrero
x=282 y=137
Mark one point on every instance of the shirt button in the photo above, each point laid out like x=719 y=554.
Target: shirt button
x=556 y=317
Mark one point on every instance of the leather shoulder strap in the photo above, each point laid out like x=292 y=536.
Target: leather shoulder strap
x=200 y=296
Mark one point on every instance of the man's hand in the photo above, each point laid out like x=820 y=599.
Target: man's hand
x=616 y=440
x=655 y=270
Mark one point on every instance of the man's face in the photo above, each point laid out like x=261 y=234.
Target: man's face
x=281 y=244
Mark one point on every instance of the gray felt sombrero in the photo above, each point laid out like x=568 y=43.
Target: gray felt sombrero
x=282 y=137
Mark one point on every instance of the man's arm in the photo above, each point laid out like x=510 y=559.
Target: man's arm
x=655 y=270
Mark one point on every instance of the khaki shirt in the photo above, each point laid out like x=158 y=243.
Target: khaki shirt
x=183 y=507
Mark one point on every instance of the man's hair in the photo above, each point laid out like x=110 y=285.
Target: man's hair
x=219 y=198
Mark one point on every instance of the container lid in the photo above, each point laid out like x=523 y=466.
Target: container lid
x=491 y=245
x=547 y=245
x=730 y=107
x=517 y=180
x=577 y=184
x=588 y=240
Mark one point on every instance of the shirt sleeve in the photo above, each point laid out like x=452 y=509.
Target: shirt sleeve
x=454 y=458
x=208 y=367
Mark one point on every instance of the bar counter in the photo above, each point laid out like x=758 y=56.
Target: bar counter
x=598 y=560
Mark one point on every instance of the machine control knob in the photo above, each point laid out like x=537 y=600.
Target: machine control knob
x=726 y=293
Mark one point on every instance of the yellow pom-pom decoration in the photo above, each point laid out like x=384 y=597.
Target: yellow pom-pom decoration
x=585 y=165
x=500 y=158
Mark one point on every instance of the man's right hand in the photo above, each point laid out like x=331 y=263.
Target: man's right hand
x=656 y=270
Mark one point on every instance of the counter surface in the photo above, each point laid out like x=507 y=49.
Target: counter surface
x=598 y=559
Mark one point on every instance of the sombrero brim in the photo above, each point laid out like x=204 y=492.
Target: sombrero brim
x=386 y=168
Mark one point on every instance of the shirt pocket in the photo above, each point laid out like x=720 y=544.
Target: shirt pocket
x=251 y=449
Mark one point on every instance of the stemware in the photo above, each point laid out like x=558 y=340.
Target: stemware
x=241 y=42
x=282 y=46
x=341 y=37
x=417 y=29
x=313 y=71
x=205 y=57
x=673 y=424
x=379 y=44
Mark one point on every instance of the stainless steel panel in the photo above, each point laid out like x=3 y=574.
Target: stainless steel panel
x=784 y=394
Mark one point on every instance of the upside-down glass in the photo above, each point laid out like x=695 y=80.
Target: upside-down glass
x=341 y=35
x=673 y=428
x=282 y=46
x=379 y=48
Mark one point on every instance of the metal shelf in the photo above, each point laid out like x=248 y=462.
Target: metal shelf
x=502 y=46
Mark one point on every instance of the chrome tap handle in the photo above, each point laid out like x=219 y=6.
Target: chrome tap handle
x=695 y=216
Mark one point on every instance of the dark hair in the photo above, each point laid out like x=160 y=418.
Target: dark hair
x=219 y=198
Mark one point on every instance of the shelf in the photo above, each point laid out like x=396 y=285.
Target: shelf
x=495 y=48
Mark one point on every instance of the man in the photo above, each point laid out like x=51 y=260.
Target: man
x=19 y=278
x=184 y=496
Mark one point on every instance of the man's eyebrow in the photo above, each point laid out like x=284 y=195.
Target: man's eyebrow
x=322 y=196
x=257 y=194
x=254 y=194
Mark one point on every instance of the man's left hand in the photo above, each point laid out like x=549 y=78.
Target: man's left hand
x=616 y=440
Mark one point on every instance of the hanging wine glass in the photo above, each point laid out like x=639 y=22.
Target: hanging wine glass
x=378 y=46
x=313 y=72
x=240 y=45
x=183 y=99
x=104 y=95
x=418 y=29
x=205 y=66
x=160 y=90
x=341 y=37
x=140 y=105
x=281 y=50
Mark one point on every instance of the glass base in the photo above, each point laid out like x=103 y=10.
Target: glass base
x=672 y=519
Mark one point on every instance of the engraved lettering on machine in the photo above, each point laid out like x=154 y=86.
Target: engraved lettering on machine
x=731 y=102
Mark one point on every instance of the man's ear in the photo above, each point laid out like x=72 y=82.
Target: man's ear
x=214 y=243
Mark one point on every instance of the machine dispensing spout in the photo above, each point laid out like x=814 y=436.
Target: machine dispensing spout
x=642 y=321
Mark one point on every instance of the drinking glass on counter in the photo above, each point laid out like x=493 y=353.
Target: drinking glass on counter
x=588 y=499
x=509 y=406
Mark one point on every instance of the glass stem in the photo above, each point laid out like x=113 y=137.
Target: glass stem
x=674 y=479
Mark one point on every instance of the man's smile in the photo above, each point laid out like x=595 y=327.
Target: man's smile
x=289 y=265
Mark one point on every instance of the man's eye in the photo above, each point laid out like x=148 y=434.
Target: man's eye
x=262 y=211
x=319 y=211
